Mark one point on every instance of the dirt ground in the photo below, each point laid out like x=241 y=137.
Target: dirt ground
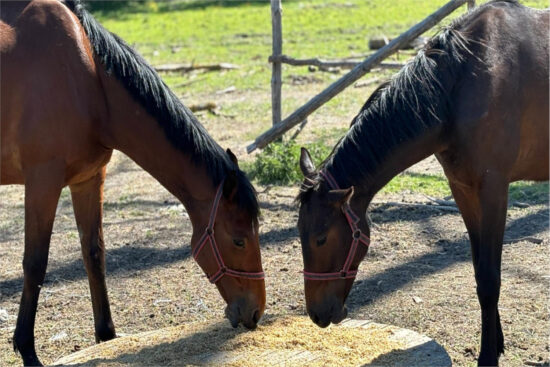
x=417 y=274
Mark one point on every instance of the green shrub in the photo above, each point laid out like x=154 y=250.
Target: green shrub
x=278 y=163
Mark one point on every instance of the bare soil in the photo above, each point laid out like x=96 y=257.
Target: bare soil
x=417 y=275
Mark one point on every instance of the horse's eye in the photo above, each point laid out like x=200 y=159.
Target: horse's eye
x=321 y=240
x=238 y=242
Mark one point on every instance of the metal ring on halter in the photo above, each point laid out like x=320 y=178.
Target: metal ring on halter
x=356 y=234
x=208 y=236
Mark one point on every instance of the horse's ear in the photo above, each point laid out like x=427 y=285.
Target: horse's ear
x=233 y=157
x=230 y=185
x=306 y=163
x=340 y=196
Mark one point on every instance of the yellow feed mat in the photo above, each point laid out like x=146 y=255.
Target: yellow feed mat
x=292 y=341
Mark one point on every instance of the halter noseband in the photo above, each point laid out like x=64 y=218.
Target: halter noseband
x=208 y=236
x=357 y=237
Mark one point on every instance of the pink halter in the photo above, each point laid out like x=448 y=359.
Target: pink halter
x=208 y=236
x=357 y=235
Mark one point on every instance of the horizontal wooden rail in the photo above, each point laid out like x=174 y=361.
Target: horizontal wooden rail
x=344 y=64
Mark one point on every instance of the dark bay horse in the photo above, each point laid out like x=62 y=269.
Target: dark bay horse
x=71 y=93
x=476 y=97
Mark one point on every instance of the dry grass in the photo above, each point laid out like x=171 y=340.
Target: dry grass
x=275 y=340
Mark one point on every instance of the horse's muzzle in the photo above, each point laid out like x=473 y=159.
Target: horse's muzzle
x=324 y=316
x=238 y=313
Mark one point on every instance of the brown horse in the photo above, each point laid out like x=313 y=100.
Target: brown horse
x=71 y=93
x=477 y=98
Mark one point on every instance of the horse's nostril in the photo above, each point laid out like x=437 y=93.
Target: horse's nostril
x=256 y=316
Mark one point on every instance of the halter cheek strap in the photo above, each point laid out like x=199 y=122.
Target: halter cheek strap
x=208 y=237
x=357 y=238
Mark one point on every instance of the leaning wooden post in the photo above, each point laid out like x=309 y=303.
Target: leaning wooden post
x=276 y=79
x=313 y=104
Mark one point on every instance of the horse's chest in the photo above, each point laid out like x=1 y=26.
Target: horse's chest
x=10 y=157
x=87 y=166
x=10 y=167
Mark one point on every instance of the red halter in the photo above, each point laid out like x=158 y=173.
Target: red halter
x=357 y=235
x=208 y=236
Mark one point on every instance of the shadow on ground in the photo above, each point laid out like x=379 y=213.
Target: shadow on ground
x=122 y=260
x=427 y=354
x=445 y=254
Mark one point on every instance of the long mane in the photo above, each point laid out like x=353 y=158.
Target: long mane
x=180 y=126
x=415 y=100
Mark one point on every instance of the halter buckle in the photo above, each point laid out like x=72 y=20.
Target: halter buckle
x=343 y=274
x=357 y=234
x=209 y=231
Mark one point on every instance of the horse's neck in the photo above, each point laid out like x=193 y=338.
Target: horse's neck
x=394 y=161
x=404 y=157
x=130 y=129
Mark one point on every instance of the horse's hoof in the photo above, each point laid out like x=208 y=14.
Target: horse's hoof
x=31 y=361
x=485 y=361
x=105 y=333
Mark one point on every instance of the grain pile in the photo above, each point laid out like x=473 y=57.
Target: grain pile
x=294 y=340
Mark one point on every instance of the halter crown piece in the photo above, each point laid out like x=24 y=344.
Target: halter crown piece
x=357 y=237
x=208 y=236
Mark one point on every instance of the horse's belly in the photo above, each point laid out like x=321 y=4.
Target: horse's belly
x=90 y=163
x=533 y=156
x=533 y=162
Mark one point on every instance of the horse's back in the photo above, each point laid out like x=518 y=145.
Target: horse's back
x=502 y=102
x=55 y=97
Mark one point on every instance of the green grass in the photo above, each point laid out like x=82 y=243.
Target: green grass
x=437 y=186
x=278 y=162
x=531 y=192
x=432 y=185
x=239 y=32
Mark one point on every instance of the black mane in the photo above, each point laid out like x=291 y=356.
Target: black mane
x=414 y=101
x=179 y=124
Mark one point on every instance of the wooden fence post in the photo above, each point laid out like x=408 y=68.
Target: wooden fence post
x=313 y=104
x=276 y=78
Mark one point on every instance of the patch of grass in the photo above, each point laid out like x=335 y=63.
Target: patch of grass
x=126 y=198
x=239 y=32
x=437 y=186
x=72 y=235
x=531 y=192
x=432 y=185
x=278 y=163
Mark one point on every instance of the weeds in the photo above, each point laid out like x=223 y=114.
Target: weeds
x=278 y=162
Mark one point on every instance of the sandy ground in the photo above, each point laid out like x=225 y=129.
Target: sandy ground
x=417 y=275
x=418 y=254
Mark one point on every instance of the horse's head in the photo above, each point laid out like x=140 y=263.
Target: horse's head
x=330 y=250
x=228 y=249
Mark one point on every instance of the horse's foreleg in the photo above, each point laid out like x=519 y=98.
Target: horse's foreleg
x=493 y=197
x=467 y=200
x=42 y=189
x=88 y=210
